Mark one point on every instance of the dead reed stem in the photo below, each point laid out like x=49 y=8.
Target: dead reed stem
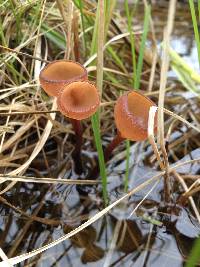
x=163 y=82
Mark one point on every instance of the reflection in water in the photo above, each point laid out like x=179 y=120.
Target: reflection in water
x=22 y=233
x=86 y=240
x=130 y=236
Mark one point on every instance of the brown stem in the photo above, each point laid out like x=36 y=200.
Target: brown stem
x=77 y=151
x=115 y=142
x=75 y=27
x=107 y=154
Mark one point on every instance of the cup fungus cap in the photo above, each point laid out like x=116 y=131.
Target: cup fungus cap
x=131 y=116
x=78 y=100
x=59 y=73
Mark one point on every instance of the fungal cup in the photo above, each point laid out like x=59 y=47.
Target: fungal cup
x=131 y=115
x=59 y=73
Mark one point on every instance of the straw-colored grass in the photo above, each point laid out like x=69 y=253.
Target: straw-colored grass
x=36 y=141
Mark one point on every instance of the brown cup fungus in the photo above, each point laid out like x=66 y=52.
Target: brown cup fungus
x=131 y=116
x=78 y=100
x=59 y=73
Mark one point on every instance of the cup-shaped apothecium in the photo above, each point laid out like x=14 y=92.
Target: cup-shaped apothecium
x=59 y=73
x=131 y=116
x=78 y=100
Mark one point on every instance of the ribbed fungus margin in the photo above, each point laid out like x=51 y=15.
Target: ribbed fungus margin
x=78 y=100
x=131 y=115
x=59 y=73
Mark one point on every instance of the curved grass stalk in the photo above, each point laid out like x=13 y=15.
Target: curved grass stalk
x=96 y=217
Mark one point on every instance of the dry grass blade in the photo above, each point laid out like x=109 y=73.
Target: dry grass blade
x=17 y=135
x=194 y=188
x=37 y=141
x=66 y=11
x=25 y=256
x=184 y=185
x=163 y=82
x=21 y=258
x=181 y=119
x=28 y=113
x=112 y=40
x=45 y=180
x=40 y=143
x=35 y=152
x=100 y=54
x=46 y=221
x=23 y=54
x=152 y=113
x=5 y=258
x=145 y=197
x=113 y=243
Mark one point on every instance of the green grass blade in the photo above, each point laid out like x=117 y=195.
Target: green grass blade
x=97 y=46
x=2 y=36
x=134 y=81
x=142 y=46
x=129 y=18
x=199 y=9
x=185 y=78
x=137 y=67
x=54 y=36
x=17 y=17
x=194 y=257
x=97 y=136
x=94 y=36
x=118 y=61
x=109 y=8
x=195 y=26
x=83 y=23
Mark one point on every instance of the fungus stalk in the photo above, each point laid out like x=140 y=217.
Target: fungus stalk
x=59 y=79
x=107 y=153
x=115 y=142
x=78 y=101
x=76 y=155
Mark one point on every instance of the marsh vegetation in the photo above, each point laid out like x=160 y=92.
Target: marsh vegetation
x=63 y=202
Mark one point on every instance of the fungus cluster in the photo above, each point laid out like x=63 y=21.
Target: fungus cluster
x=78 y=99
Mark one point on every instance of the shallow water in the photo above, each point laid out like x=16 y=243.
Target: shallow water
x=155 y=235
